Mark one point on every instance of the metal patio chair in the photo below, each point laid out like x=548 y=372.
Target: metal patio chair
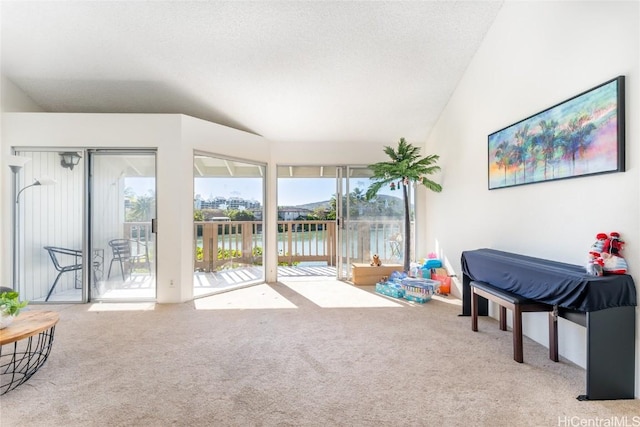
x=126 y=257
x=58 y=257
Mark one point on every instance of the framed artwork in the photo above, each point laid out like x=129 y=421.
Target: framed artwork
x=581 y=136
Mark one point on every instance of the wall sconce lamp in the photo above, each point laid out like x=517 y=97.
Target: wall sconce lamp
x=69 y=159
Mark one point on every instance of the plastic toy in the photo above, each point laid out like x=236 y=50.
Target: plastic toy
x=595 y=264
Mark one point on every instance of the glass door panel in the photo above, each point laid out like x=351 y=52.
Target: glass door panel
x=228 y=224
x=307 y=226
x=122 y=207
x=48 y=226
x=369 y=227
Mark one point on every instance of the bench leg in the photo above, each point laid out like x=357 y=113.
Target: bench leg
x=503 y=318
x=517 y=334
x=553 y=337
x=474 y=311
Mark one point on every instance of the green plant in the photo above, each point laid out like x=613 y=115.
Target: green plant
x=257 y=251
x=406 y=166
x=11 y=304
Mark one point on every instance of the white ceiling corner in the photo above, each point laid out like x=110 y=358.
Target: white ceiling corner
x=289 y=71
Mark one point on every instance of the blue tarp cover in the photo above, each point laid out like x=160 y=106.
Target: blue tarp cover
x=550 y=282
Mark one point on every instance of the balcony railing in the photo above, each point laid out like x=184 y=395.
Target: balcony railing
x=219 y=244
x=300 y=241
x=140 y=235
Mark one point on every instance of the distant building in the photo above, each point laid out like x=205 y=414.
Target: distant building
x=290 y=213
x=257 y=213
x=223 y=203
x=219 y=202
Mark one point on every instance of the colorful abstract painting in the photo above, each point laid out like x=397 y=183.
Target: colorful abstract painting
x=581 y=136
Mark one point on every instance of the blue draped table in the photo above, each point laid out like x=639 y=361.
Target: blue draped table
x=605 y=305
x=551 y=282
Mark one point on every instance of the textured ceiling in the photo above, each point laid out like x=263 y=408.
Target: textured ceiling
x=289 y=71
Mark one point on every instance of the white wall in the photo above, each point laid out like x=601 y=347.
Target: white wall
x=536 y=55
x=327 y=153
x=174 y=136
x=212 y=138
x=97 y=131
x=11 y=99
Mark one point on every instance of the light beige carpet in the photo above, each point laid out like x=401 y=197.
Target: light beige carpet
x=269 y=356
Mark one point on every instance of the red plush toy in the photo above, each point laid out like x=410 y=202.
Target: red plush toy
x=614 y=263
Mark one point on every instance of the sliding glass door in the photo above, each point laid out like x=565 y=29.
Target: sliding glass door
x=307 y=220
x=325 y=222
x=368 y=227
x=47 y=235
x=122 y=212
x=76 y=239
x=228 y=212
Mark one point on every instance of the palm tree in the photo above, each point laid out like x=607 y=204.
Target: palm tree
x=521 y=150
x=577 y=137
x=142 y=208
x=502 y=157
x=583 y=133
x=547 y=140
x=406 y=166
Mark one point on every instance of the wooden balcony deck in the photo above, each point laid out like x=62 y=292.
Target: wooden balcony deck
x=305 y=248
x=142 y=286
x=210 y=282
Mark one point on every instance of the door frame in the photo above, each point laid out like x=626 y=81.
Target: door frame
x=231 y=164
x=347 y=233
x=88 y=278
x=343 y=267
x=18 y=185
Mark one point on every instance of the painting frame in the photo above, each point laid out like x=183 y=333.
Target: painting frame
x=581 y=136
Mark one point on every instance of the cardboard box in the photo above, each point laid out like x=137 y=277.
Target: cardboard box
x=368 y=275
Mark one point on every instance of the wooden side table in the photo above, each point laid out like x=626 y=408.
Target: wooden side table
x=25 y=346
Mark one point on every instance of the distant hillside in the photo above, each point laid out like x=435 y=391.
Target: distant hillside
x=391 y=200
x=311 y=206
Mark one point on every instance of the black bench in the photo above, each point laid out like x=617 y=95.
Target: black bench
x=518 y=305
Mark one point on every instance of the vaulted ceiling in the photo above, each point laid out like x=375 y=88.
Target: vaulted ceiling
x=305 y=72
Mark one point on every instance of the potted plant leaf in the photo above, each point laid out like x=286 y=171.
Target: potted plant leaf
x=10 y=306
